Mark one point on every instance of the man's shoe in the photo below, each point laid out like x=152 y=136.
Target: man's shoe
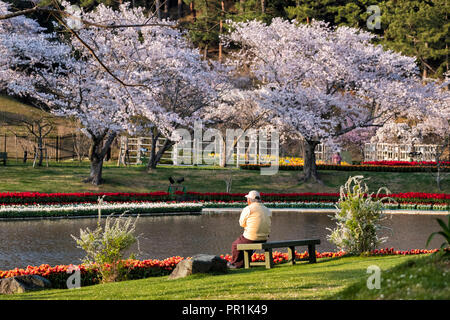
x=231 y=266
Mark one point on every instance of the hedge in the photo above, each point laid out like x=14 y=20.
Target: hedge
x=376 y=168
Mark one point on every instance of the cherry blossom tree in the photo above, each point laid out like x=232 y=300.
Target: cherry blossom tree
x=27 y=54
x=239 y=113
x=71 y=82
x=117 y=70
x=170 y=86
x=428 y=125
x=325 y=82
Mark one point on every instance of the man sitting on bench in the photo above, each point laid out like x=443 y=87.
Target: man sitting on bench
x=256 y=221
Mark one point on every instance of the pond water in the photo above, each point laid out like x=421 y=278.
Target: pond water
x=36 y=242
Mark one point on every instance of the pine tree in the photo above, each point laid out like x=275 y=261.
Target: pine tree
x=418 y=28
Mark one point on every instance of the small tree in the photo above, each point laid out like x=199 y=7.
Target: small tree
x=358 y=217
x=105 y=246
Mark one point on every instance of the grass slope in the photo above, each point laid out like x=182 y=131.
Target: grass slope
x=68 y=178
x=322 y=280
x=11 y=109
x=416 y=279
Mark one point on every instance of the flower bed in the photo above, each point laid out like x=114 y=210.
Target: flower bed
x=139 y=269
x=405 y=163
x=91 y=209
x=80 y=197
x=39 y=204
x=407 y=197
x=88 y=209
x=378 y=168
x=329 y=205
x=134 y=269
x=273 y=205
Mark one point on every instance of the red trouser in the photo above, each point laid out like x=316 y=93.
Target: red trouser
x=237 y=256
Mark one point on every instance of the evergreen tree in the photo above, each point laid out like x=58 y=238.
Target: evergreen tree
x=352 y=13
x=418 y=28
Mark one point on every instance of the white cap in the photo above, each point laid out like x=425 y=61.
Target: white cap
x=253 y=195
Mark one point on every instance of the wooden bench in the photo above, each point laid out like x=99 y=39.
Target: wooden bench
x=248 y=249
x=3 y=157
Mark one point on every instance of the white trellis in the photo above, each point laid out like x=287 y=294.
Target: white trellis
x=399 y=152
x=137 y=150
x=323 y=153
x=195 y=152
x=251 y=148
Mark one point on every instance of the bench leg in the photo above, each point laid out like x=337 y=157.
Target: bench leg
x=247 y=259
x=291 y=255
x=312 y=253
x=268 y=258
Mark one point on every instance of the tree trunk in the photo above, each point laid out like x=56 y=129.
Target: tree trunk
x=309 y=166
x=222 y=4
x=166 y=9
x=223 y=155
x=155 y=157
x=193 y=11
x=97 y=153
x=151 y=161
x=40 y=152
x=158 y=9
x=263 y=6
x=95 y=176
x=180 y=9
x=205 y=52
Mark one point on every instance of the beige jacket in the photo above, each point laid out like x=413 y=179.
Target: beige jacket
x=256 y=221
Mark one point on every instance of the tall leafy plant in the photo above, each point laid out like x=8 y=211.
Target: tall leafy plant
x=358 y=217
x=106 y=245
x=445 y=232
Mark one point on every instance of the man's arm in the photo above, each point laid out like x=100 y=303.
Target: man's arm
x=244 y=216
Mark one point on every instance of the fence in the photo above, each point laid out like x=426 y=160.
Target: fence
x=399 y=152
x=249 y=149
x=137 y=150
x=25 y=147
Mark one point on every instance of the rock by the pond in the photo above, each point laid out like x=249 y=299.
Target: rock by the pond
x=201 y=263
x=23 y=283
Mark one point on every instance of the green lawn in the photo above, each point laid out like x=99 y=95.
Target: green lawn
x=67 y=177
x=322 y=280
x=421 y=278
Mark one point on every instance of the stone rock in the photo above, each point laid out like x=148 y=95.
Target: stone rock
x=23 y=283
x=201 y=263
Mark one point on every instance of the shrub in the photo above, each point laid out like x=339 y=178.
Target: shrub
x=105 y=246
x=363 y=167
x=358 y=216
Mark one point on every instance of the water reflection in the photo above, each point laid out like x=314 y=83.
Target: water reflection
x=36 y=242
